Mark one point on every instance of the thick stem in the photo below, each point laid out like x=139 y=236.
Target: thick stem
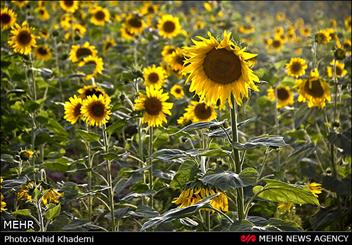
x=237 y=167
x=151 y=132
x=40 y=216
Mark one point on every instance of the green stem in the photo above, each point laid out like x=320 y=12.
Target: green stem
x=151 y=132
x=40 y=216
x=237 y=167
x=90 y=174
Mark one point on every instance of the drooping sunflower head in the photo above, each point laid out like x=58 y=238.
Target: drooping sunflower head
x=296 y=67
x=22 y=39
x=282 y=95
x=169 y=26
x=42 y=13
x=100 y=16
x=95 y=111
x=73 y=109
x=177 y=91
x=218 y=70
x=69 y=6
x=7 y=18
x=176 y=60
x=154 y=76
x=43 y=52
x=340 y=69
x=314 y=188
x=200 y=112
x=134 y=24
x=90 y=90
x=92 y=66
x=79 y=52
x=322 y=37
x=154 y=106
x=313 y=90
x=51 y=196
x=26 y=191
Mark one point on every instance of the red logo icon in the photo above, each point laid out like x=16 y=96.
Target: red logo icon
x=248 y=238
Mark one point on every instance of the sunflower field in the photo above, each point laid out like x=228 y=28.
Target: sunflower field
x=176 y=116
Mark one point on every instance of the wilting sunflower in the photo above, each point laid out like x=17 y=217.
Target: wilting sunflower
x=134 y=24
x=26 y=155
x=25 y=192
x=22 y=39
x=154 y=76
x=313 y=90
x=20 y=3
x=322 y=37
x=167 y=51
x=73 y=109
x=169 y=26
x=282 y=94
x=42 y=52
x=90 y=90
x=200 y=112
x=92 y=66
x=176 y=60
x=177 y=91
x=154 y=105
x=51 y=196
x=296 y=67
x=340 y=69
x=79 y=52
x=69 y=6
x=219 y=69
x=108 y=44
x=42 y=13
x=100 y=16
x=95 y=110
x=314 y=188
x=285 y=207
x=126 y=34
x=3 y=203
x=7 y=18
x=191 y=196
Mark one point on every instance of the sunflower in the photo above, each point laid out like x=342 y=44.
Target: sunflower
x=176 y=60
x=126 y=34
x=169 y=26
x=167 y=51
x=177 y=91
x=69 y=6
x=79 y=52
x=285 y=207
x=154 y=76
x=108 y=44
x=20 y=3
x=73 y=109
x=279 y=30
x=26 y=155
x=26 y=191
x=148 y=8
x=134 y=24
x=51 y=196
x=296 y=67
x=280 y=16
x=22 y=39
x=92 y=66
x=347 y=23
x=154 y=105
x=90 y=90
x=42 y=53
x=246 y=29
x=42 y=13
x=313 y=90
x=7 y=18
x=3 y=203
x=305 y=31
x=322 y=37
x=291 y=35
x=44 y=34
x=66 y=21
x=95 y=110
x=275 y=44
x=218 y=70
x=282 y=94
x=347 y=47
x=79 y=29
x=191 y=196
x=200 y=112
x=340 y=69
x=314 y=188
x=100 y=16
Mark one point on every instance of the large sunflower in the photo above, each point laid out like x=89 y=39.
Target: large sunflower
x=92 y=66
x=154 y=76
x=90 y=90
x=217 y=70
x=7 y=18
x=322 y=37
x=169 y=26
x=69 y=6
x=134 y=24
x=177 y=91
x=100 y=16
x=22 y=39
x=296 y=67
x=42 y=52
x=73 y=109
x=313 y=90
x=154 y=105
x=282 y=94
x=200 y=112
x=340 y=69
x=95 y=111
x=79 y=52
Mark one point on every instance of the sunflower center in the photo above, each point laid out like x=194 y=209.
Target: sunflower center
x=202 y=111
x=97 y=109
x=314 y=88
x=276 y=43
x=5 y=18
x=170 y=51
x=68 y=3
x=135 y=22
x=153 y=106
x=180 y=59
x=296 y=67
x=153 y=77
x=24 y=37
x=150 y=9
x=178 y=91
x=169 y=26
x=82 y=52
x=92 y=92
x=77 y=110
x=347 y=45
x=282 y=94
x=41 y=12
x=222 y=66
x=100 y=15
x=338 y=71
x=42 y=51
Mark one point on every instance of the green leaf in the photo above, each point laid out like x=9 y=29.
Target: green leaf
x=53 y=212
x=56 y=127
x=342 y=140
x=185 y=173
x=199 y=125
x=61 y=164
x=22 y=212
x=277 y=191
x=249 y=176
x=267 y=141
x=87 y=136
x=188 y=222
x=170 y=154
x=115 y=126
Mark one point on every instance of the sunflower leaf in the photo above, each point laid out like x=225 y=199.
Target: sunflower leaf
x=199 y=125
x=268 y=141
x=87 y=136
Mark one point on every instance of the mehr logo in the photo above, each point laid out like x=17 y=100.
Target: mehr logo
x=248 y=238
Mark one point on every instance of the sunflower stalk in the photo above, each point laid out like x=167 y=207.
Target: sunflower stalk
x=151 y=132
x=90 y=174
x=237 y=167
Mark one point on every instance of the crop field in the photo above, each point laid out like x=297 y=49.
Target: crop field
x=176 y=116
